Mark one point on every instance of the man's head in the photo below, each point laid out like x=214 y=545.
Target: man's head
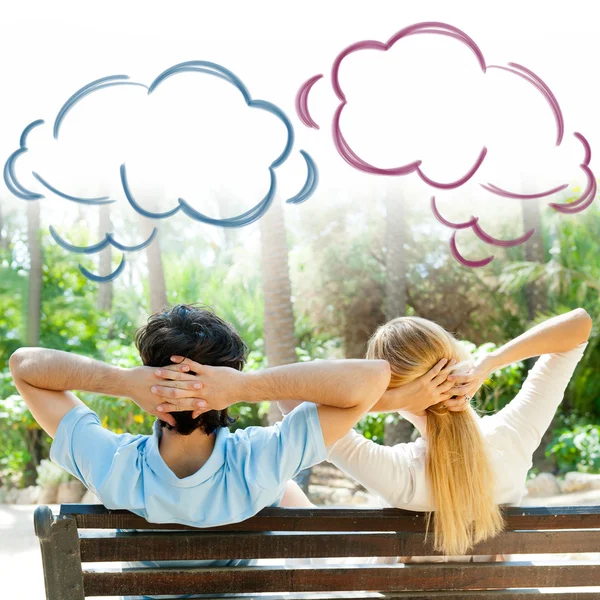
x=198 y=334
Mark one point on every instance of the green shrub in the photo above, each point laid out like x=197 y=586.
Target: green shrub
x=576 y=449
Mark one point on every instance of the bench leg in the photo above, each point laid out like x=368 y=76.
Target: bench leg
x=61 y=557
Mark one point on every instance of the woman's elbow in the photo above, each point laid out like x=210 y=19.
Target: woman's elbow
x=585 y=323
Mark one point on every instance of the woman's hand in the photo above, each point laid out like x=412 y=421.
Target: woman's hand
x=467 y=385
x=429 y=389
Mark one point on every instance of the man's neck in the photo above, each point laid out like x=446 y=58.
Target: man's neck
x=186 y=454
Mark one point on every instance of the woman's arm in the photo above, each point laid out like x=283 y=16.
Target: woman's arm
x=558 y=334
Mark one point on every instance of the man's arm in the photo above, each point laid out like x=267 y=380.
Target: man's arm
x=43 y=378
x=344 y=389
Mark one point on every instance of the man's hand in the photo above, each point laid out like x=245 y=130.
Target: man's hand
x=139 y=383
x=433 y=387
x=210 y=388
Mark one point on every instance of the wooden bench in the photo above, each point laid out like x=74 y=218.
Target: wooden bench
x=82 y=534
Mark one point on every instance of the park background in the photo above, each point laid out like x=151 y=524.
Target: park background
x=309 y=281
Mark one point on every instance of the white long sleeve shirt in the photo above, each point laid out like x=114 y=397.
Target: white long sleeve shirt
x=397 y=474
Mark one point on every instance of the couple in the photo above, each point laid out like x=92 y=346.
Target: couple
x=193 y=471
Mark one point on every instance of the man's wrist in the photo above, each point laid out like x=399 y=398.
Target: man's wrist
x=250 y=388
x=124 y=381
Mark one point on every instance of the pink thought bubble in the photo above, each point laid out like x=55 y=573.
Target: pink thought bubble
x=416 y=164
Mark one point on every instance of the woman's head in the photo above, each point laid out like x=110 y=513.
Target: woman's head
x=412 y=346
x=460 y=478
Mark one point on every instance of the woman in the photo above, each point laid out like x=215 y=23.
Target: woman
x=464 y=466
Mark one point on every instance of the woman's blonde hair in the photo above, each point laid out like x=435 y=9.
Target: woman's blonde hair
x=461 y=479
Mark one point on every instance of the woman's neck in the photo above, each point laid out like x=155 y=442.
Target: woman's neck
x=419 y=421
x=186 y=454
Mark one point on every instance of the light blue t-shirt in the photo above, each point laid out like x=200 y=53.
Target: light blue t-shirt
x=247 y=470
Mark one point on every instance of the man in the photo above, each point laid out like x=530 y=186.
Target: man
x=192 y=470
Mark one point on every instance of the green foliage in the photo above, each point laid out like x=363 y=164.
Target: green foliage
x=373 y=426
x=50 y=475
x=577 y=449
x=501 y=386
x=572 y=276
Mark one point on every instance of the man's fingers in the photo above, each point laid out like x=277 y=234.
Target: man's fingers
x=174 y=374
x=192 y=385
x=186 y=362
x=190 y=404
x=167 y=407
x=436 y=369
x=199 y=412
x=174 y=393
x=167 y=418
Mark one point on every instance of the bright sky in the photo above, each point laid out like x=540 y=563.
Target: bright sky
x=424 y=99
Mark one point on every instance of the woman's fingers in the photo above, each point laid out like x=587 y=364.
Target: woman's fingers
x=433 y=372
x=461 y=390
x=462 y=378
x=457 y=404
x=443 y=374
x=445 y=386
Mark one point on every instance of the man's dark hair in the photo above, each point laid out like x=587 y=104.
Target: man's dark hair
x=198 y=334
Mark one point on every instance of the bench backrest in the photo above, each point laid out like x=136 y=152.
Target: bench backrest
x=82 y=534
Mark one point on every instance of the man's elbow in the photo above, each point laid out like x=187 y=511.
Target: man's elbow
x=383 y=374
x=17 y=362
x=375 y=382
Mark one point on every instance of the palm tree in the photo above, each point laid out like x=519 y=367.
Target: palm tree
x=34 y=316
x=156 y=273
x=34 y=297
x=280 y=341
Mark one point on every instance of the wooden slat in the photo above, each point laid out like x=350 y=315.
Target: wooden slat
x=201 y=545
x=495 y=595
x=332 y=519
x=312 y=579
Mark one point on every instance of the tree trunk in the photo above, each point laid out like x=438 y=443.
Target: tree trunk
x=34 y=315
x=3 y=236
x=156 y=274
x=399 y=430
x=105 y=290
x=34 y=297
x=395 y=258
x=279 y=337
x=280 y=341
